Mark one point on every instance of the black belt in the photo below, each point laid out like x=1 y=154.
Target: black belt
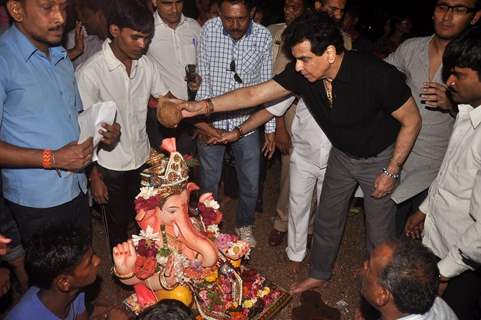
x=356 y=157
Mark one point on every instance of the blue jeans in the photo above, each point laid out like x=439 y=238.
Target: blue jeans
x=246 y=153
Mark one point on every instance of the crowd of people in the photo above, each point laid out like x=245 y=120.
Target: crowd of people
x=397 y=120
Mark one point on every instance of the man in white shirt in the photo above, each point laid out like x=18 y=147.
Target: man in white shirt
x=400 y=280
x=173 y=47
x=307 y=167
x=122 y=73
x=174 y=44
x=451 y=213
x=292 y=10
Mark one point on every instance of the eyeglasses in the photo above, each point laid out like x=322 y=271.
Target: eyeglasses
x=461 y=10
x=237 y=78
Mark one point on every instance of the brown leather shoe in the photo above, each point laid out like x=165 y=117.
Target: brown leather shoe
x=276 y=237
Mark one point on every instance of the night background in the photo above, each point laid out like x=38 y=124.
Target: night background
x=373 y=13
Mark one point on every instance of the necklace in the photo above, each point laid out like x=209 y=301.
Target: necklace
x=328 y=88
x=165 y=250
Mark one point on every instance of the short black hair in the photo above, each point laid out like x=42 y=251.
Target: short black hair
x=56 y=250
x=94 y=5
x=167 y=310
x=248 y=3
x=412 y=276
x=463 y=52
x=305 y=3
x=316 y=27
x=353 y=9
x=132 y=14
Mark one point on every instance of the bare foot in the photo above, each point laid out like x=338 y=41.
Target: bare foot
x=294 y=267
x=307 y=284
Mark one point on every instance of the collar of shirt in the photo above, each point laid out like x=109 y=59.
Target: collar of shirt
x=113 y=62
x=344 y=73
x=474 y=113
x=27 y=49
x=248 y=32
x=425 y=47
x=159 y=22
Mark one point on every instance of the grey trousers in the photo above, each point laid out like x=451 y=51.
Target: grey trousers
x=342 y=176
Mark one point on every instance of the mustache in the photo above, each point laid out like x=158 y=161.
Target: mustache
x=60 y=27
x=451 y=90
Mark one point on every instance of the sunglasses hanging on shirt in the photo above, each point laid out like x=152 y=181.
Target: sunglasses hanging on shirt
x=237 y=78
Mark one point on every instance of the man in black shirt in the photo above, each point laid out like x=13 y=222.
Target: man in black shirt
x=365 y=109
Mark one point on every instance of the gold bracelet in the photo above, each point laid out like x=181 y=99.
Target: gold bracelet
x=163 y=282
x=122 y=276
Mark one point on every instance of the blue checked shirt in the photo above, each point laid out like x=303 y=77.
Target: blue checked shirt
x=253 y=63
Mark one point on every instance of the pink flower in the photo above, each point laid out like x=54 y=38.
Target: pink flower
x=224 y=240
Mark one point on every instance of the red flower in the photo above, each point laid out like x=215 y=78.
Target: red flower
x=147 y=204
x=209 y=215
x=145 y=267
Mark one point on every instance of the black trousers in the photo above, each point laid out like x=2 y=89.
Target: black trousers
x=406 y=208
x=33 y=220
x=122 y=186
x=463 y=295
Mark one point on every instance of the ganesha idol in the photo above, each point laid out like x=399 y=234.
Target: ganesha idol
x=173 y=250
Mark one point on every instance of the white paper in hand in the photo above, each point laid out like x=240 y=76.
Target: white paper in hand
x=91 y=119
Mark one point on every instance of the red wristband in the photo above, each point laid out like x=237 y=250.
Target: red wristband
x=47 y=159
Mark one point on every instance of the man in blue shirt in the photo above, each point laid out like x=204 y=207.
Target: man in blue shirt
x=43 y=178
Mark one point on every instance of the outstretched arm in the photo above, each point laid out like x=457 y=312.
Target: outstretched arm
x=253 y=122
x=237 y=99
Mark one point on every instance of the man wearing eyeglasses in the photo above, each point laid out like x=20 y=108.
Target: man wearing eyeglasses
x=234 y=52
x=421 y=60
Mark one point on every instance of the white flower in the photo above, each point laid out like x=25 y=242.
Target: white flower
x=161 y=260
x=213 y=228
x=212 y=204
x=147 y=234
x=147 y=192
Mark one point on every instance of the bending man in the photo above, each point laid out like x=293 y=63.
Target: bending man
x=367 y=112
